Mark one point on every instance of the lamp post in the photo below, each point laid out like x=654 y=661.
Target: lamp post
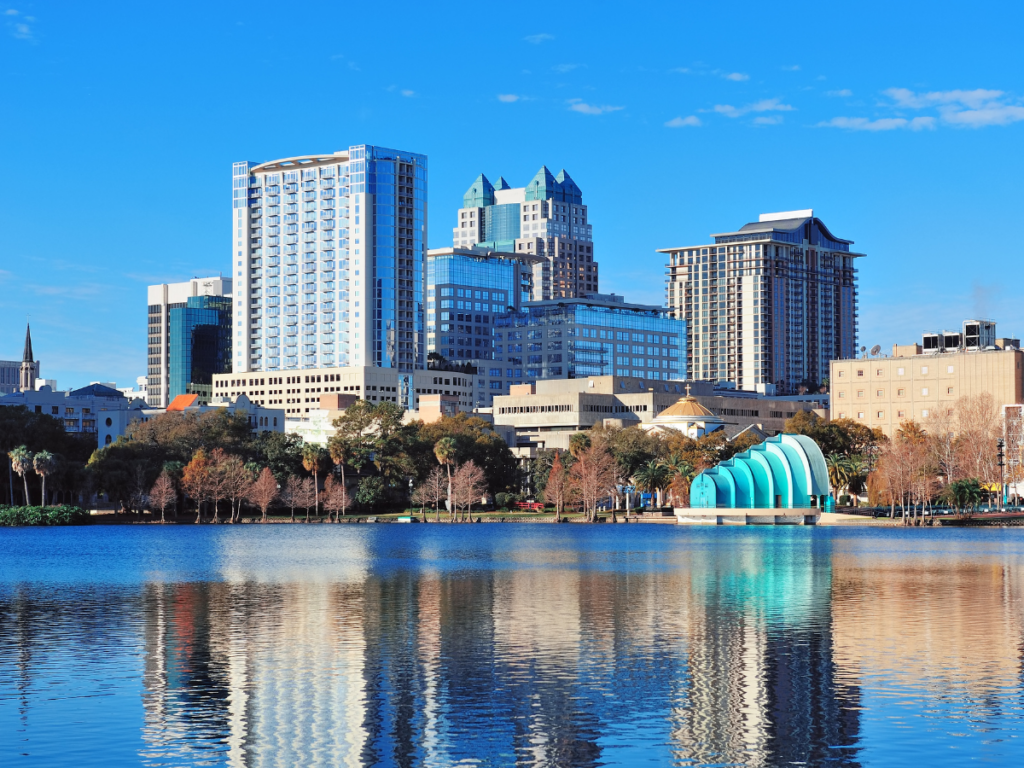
x=1002 y=487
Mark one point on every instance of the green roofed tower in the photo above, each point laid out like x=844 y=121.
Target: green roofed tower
x=546 y=218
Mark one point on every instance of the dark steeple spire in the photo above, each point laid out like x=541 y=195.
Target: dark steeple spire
x=27 y=357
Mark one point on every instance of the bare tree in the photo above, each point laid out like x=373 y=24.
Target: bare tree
x=336 y=498
x=593 y=476
x=468 y=485
x=431 y=491
x=1013 y=434
x=291 y=493
x=941 y=428
x=977 y=421
x=137 y=488
x=263 y=492
x=307 y=495
x=557 y=489
x=162 y=494
x=235 y=483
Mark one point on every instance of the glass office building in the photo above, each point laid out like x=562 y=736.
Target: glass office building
x=466 y=290
x=545 y=219
x=200 y=345
x=600 y=335
x=328 y=260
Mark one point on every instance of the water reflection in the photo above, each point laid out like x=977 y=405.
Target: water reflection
x=495 y=645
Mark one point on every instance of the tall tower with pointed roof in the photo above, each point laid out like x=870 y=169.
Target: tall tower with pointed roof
x=546 y=218
x=29 y=368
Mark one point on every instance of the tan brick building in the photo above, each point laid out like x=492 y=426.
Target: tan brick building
x=882 y=392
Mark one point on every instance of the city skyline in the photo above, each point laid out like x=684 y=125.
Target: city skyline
x=909 y=147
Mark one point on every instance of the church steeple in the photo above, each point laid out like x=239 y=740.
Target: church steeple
x=29 y=367
x=27 y=357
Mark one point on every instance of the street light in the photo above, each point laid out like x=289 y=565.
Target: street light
x=1002 y=486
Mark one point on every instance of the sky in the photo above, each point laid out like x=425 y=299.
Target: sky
x=900 y=124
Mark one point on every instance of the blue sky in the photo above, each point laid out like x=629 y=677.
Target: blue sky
x=900 y=124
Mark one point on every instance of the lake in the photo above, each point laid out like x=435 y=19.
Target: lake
x=499 y=645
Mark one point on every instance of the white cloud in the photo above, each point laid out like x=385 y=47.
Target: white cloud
x=538 y=39
x=765 y=105
x=958 y=108
x=996 y=114
x=881 y=124
x=973 y=99
x=563 y=68
x=773 y=120
x=736 y=77
x=683 y=122
x=408 y=94
x=793 y=68
x=842 y=93
x=18 y=24
x=508 y=98
x=578 y=105
x=681 y=70
x=964 y=109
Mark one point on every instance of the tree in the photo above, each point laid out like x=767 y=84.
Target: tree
x=314 y=458
x=44 y=463
x=445 y=450
x=964 y=495
x=21 y=462
x=195 y=481
x=838 y=472
x=234 y=482
x=556 y=488
x=652 y=477
x=474 y=439
x=592 y=476
x=263 y=492
x=291 y=494
x=468 y=484
x=307 y=495
x=578 y=443
x=371 y=492
x=162 y=494
x=336 y=498
x=431 y=491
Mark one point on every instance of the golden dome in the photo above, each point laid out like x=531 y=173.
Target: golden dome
x=688 y=408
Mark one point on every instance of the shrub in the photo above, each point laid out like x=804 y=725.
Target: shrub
x=844 y=500
x=59 y=515
x=501 y=500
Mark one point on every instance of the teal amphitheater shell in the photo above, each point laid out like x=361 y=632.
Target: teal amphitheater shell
x=783 y=472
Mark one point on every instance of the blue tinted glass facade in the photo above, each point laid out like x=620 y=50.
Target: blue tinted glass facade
x=573 y=340
x=199 y=343
x=501 y=222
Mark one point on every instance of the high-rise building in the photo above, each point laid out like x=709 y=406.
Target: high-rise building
x=466 y=290
x=328 y=259
x=189 y=337
x=770 y=304
x=545 y=218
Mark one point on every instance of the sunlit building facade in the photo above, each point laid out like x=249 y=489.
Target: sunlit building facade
x=768 y=305
x=328 y=256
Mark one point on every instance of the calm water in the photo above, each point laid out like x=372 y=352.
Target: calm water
x=495 y=645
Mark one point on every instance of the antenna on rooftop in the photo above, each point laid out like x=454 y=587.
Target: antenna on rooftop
x=875 y=350
x=862 y=351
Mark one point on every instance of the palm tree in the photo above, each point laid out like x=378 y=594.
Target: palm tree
x=445 y=451
x=44 y=463
x=857 y=468
x=838 y=471
x=578 y=443
x=21 y=462
x=313 y=459
x=652 y=477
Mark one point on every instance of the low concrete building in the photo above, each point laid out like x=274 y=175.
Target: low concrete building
x=95 y=409
x=260 y=419
x=548 y=413
x=298 y=392
x=923 y=381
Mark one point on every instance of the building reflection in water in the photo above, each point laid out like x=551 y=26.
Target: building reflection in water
x=751 y=650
